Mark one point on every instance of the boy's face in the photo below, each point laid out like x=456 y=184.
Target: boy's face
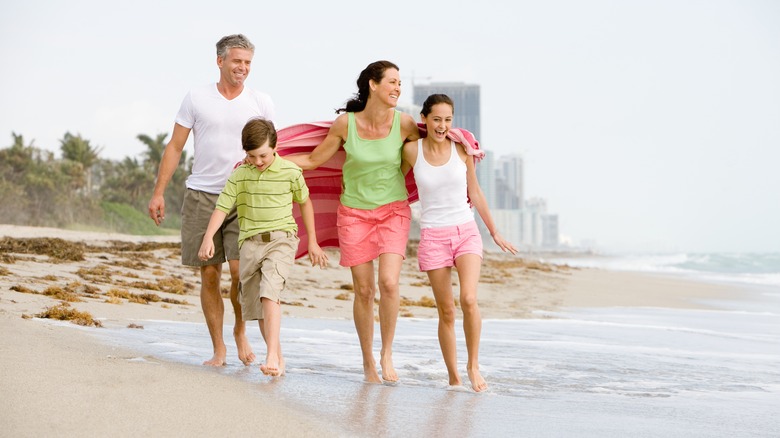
x=261 y=157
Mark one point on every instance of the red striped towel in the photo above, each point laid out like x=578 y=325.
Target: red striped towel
x=324 y=182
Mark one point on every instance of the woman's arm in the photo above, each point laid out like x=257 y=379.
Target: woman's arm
x=337 y=135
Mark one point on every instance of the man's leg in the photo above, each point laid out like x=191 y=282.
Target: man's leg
x=213 y=311
x=245 y=353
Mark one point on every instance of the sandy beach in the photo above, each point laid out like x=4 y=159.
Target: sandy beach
x=57 y=379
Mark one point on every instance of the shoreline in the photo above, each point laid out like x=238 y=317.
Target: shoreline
x=54 y=376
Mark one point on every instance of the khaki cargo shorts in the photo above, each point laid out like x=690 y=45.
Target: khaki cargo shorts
x=266 y=262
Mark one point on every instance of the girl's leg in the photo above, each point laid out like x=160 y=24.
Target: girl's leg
x=441 y=283
x=469 y=266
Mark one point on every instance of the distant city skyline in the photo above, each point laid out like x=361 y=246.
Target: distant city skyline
x=647 y=126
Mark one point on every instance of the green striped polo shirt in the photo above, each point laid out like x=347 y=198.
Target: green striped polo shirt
x=264 y=199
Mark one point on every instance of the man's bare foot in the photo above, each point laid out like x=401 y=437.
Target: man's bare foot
x=388 y=372
x=245 y=353
x=271 y=365
x=477 y=382
x=218 y=360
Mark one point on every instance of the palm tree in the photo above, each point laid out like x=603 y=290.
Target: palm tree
x=77 y=149
x=154 y=151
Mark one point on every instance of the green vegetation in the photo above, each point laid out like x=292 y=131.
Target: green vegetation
x=80 y=190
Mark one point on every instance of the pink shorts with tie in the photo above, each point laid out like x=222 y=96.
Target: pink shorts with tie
x=439 y=247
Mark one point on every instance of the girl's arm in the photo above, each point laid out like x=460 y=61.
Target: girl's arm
x=480 y=203
x=408 y=156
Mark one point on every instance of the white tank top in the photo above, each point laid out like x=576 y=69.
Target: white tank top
x=442 y=189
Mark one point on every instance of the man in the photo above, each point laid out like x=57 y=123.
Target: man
x=216 y=114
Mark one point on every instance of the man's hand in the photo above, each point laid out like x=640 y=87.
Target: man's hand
x=157 y=209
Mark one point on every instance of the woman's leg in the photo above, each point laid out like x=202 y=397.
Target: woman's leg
x=389 y=299
x=363 y=314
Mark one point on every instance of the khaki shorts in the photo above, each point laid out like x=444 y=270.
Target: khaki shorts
x=266 y=261
x=196 y=211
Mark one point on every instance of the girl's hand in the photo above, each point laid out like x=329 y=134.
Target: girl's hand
x=503 y=244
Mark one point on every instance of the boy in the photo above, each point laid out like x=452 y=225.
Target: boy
x=263 y=189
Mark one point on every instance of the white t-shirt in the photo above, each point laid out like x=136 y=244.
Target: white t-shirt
x=216 y=124
x=443 y=190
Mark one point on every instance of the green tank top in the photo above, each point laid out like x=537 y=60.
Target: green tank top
x=372 y=169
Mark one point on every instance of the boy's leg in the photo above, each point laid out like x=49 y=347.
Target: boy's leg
x=270 y=326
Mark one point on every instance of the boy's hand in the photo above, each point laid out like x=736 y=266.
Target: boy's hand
x=206 y=250
x=317 y=256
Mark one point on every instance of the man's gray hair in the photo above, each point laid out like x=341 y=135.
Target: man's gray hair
x=233 y=41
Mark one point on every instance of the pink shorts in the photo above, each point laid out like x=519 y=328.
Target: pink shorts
x=365 y=234
x=439 y=247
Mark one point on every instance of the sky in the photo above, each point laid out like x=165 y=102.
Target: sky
x=646 y=125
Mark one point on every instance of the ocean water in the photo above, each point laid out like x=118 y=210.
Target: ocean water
x=610 y=372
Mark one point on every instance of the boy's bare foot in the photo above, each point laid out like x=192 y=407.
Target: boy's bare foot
x=271 y=365
x=218 y=360
x=477 y=382
x=388 y=372
x=245 y=353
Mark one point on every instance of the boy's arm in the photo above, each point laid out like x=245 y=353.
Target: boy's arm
x=206 y=250
x=316 y=254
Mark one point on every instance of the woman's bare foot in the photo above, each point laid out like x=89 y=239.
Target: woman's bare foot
x=245 y=353
x=477 y=382
x=218 y=360
x=388 y=372
x=369 y=373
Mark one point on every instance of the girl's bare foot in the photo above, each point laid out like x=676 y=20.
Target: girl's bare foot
x=477 y=382
x=271 y=365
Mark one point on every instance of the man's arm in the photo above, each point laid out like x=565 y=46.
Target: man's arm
x=168 y=165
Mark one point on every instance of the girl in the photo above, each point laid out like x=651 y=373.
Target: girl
x=446 y=181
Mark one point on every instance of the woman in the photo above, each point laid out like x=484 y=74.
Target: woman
x=374 y=217
x=446 y=182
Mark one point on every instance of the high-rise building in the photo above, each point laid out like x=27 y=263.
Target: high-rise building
x=550 y=238
x=509 y=182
